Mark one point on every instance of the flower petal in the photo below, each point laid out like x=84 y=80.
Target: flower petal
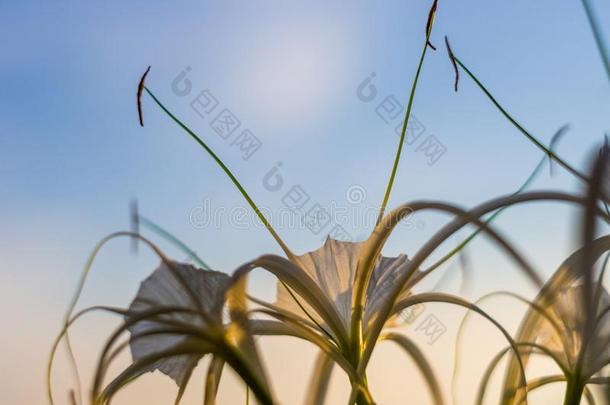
x=169 y=287
x=333 y=268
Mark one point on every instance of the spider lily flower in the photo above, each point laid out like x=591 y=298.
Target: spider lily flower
x=329 y=306
x=163 y=288
x=340 y=297
x=317 y=292
x=557 y=332
x=345 y=294
x=175 y=319
x=569 y=342
x=559 y=322
x=333 y=268
x=579 y=304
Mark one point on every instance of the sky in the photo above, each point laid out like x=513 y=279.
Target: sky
x=73 y=156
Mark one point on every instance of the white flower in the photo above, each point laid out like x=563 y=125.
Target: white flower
x=567 y=308
x=333 y=268
x=164 y=288
x=177 y=318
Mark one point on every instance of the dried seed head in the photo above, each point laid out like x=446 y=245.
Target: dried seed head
x=431 y=15
x=455 y=68
x=139 y=99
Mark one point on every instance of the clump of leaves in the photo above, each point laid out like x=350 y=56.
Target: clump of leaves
x=345 y=296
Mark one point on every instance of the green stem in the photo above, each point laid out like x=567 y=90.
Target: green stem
x=364 y=397
x=597 y=34
x=574 y=391
x=388 y=190
x=358 y=301
x=241 y=189
x=539 y=144
x=227 y=172
x=177 y=242
x=361 y=400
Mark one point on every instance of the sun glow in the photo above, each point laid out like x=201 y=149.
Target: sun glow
x=296 y=72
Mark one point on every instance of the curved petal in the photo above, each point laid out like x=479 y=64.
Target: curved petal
x=383 y=230
x=333 y=268
x=138 y=367
x=552 y=325
x=310 y=323
x=186 y=376
x=523 y=347
x=290 y=327
x=449 y=299
x=303 y=285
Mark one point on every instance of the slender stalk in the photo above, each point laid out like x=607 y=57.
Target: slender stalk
x=574 y=391
x=220 y=163
x=388 y=190
x=361 y=400
x=539 y=144
x=237 y=184
x=177 y=242
x=358 y=300
x=241 y=189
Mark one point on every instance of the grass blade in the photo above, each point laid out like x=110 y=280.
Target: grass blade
x=526 y=133
x=388 y=191
x=225 y=169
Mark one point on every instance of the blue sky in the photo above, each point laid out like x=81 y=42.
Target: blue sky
x=72 y=155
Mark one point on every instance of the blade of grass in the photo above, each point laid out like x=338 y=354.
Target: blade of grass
x=363 y=274
x=457 y=301
x=228 y=172
x=377 y=240
x=237 y=184
x=174 y=240
x=513 y=121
